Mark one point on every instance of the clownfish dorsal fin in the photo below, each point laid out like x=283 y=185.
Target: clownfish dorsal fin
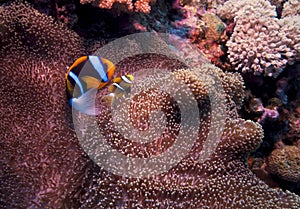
x=86 y=102
x=91 y=82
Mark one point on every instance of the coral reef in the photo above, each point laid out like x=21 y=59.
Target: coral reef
x=192 y=21
x=206 y=30
x=43 y=165
x=189 y=183
x=280 y=96
x=292 y=115
x=291 y=8
x=214 y=25
x=256 y=45
x=256 y=106
x=138 y=6
x=284 y=163
x=260 y=43
x=236 y=8
x=290 y=25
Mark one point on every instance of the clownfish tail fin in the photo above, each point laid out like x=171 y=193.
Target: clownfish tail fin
x=86 y=102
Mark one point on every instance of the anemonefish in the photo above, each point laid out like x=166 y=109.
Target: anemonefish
x=120 y=86
x=88 y=73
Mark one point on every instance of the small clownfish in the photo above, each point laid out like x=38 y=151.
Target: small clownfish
x=89 y=73
x=119 y=87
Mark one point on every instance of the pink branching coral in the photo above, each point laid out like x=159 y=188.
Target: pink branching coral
x=138 y=6
x=43 y=166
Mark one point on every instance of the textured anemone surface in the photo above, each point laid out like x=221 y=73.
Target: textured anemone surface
x=44 y=166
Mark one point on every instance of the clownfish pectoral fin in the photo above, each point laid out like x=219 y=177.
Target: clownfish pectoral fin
x=109 y=99
x=91 y=82
x=86 y=102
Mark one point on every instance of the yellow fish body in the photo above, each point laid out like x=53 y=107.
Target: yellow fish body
x=88 y=73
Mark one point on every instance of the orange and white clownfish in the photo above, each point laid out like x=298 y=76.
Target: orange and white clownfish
x=120 y=86
x=88 y=74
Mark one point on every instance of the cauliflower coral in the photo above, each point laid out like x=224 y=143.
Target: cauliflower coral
x=261 y=43
x=139 y=5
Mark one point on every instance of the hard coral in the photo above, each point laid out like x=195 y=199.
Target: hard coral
x=258 y=45
x=285 y=163
x=212 y=50
x=261 y=43
x=235 y=8
x=290 y=26
x=291 y=8
x=139 y=5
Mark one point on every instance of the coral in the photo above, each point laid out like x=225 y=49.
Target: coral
x=269 y=113
x=139 y=6
x=294 y=125
x=43 y=165
x=292 y=115
x=236 y=8
x=261 y=43
x=257 y=165
x=256 y=107
x=63 y=11
x=256 y=45
x=193 y=22
x=284 y=163
x=211 y=49
x=209 y=6
x=290 y=25
x=291 y=8
x=206 y=30
x=214 y=26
